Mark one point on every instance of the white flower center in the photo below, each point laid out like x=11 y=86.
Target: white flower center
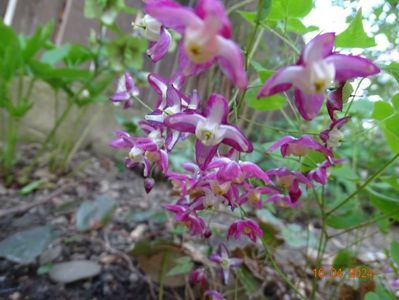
x=156 y=137
x=335 y=138
x=150 y=28
x=136 y=154
x=319 y=75
x=209 y=134
x=200 y=41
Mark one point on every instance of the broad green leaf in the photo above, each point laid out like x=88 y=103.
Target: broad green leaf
x=37 y=41
x=354 y=36
x=382 y=110
x=10 y=52
x=249 y=16
x=183 y=265
x=386 y=204
x=296 y=237
x=372 y=296
x=347 y=91
x=344 y=259
x=250 y=283
x=349 y=219
x=263 y=9
x=392 y=69
x=395 y=252
x=94 y=214
x=395 y=101
x=282 y=9
x=391 y=131
x=265 y=103
x=55 y=55
x=311 y=161
x=296 y=25
x=23 y=247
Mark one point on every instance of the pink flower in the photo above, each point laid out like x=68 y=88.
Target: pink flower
x=206 y=35
x=248 y=227
x=199 y=277
x=317 y=67
x=214 y=295
x=319 y=174
x=159 y=38
x=188 y=217
x=211 y=129
x=125 y=91
x=332 y=137
x=299 y=146
x=223 y=259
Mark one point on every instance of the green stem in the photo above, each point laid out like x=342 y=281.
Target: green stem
x=238 y=5
x=142 y=103
x=365 y=184
x=284 y=39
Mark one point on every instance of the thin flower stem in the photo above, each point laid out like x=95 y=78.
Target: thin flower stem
x=238 y=5
x=142 y=103
x=365 y=184
x=353 y=97
x=283 y=38
x=280 y=272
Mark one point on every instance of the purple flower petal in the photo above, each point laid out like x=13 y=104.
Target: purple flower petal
x=281 y=80
x=318 y=48
x=172 y=14
x=204 y=154
x=231 y=62
x=348 y=66
x=184 y=122
x=308 y=105
x=214 y=7
x=158 y=50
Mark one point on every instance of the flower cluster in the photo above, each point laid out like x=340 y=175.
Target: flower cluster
x=219 y=179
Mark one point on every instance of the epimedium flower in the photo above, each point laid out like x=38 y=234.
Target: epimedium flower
x=287 y=180
x=247 y=227
x=206 y=35
x=186 y=215
x=214 y=295
x=299 y=146
x=319 y=174
x=316 y=69
x=333 y=136
x=211 y=129
x=125 y=91
x=143 y=150
x=225 y=261
x=159 y=37
x=237 y=171
x=198 y=276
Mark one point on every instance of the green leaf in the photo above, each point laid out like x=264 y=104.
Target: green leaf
x=354 y=36
x=384 y=203
x=390 y=129
x=395 y=252
x=45 y=269
x=382 y=110
x=263 y=9
x=265 y=103
x=311 y=161
x=94 y=214
x=248 y=280
x=296 y=237
x=23 y=247
x=28 y=189
x=349 y=219
x=392 y=69
x=248 y=16
x=37 y=41
x=296 y=25
x=372 y=296
x=10 y=52
x=344 y=259
x=282 y=9
x=55 y=55
x=183 y=265
x=395 y=101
